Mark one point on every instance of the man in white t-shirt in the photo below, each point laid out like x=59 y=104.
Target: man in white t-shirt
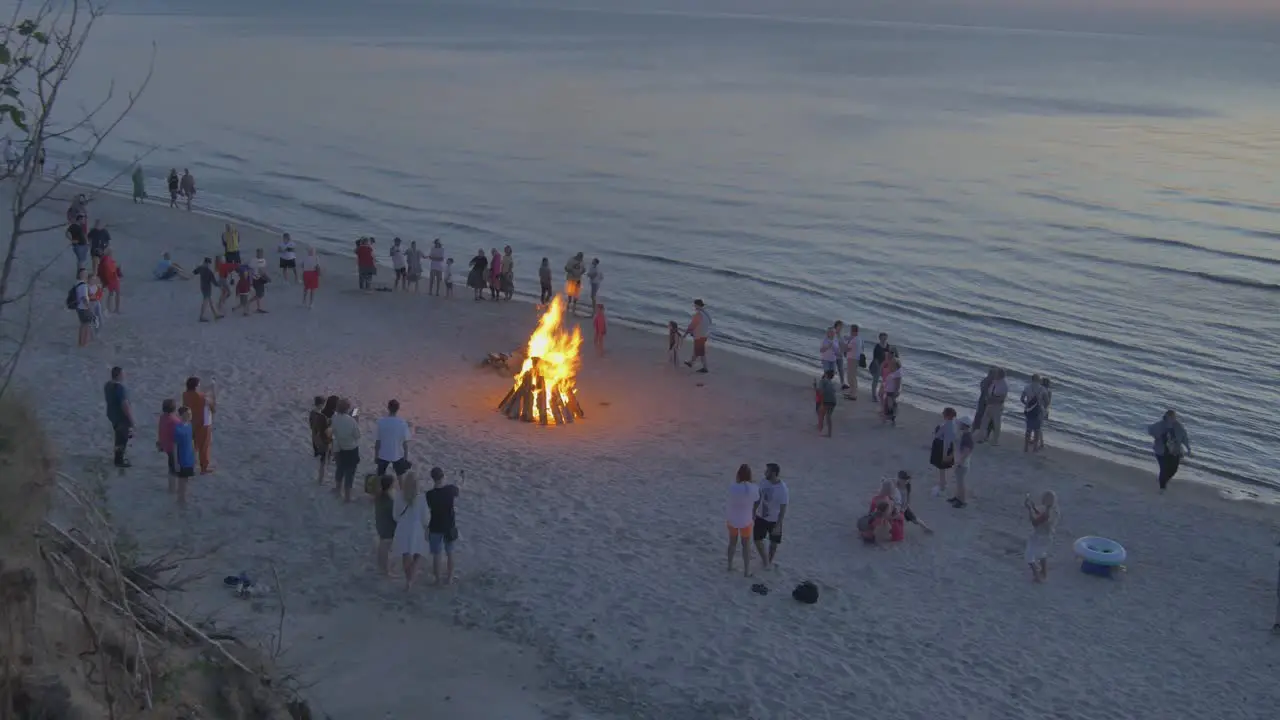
x=770 y=510
x=436 y=277
x=743 y=496
x=392 y=446
x=400 y=265
x=288 y=253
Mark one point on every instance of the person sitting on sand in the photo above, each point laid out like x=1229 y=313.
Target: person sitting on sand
x=442 y=528
x=167 y=269
x=770 y=510
x=410 y=540
x=184 y=449
x=110 y=273
x=384 y=521
x=901 y=493
x=310 y=277
x=1044 y=521
x=877 y=527
x=743 y=496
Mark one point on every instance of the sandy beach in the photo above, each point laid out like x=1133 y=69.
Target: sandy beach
x=591 y=568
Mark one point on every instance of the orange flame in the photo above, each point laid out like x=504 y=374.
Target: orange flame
x=555 y=351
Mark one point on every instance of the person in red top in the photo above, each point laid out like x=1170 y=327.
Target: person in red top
x=601 y=326
x=365 y=264
x=224 y=270
x=244 y=283
x=164 y=437
x=109 y=273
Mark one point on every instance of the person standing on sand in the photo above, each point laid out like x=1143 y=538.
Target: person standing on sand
x=208 y=280
x=825 y=392
x=700 y=329
x=891 y=389
x=321 y=433
x=448 y=278
x=595 y=276
x=366 y=266
x=164 y=438
x=110 y=274
x=231 y=244
x=173 y=182
x=993 y=414
x=674 y=336
x=79 y=243
x=436 y=259
x=601 y=326
x=573 y=272
x=475 y=278
x=829 y=350
x=544 y=279
x=442 y=528
x=202 y=410
x=413 y=262
x=120 y=415
x=878 y=354
x=384 y=522
x=1044 y=522
x=288 y=253
x=83 y=313
x=984 y=391
x=392 y=444
x=495 y=274
x=1033 y=412
x=743 y=496
x=770 y=511
x=508 y=273
x=139 y=185
x=838 y=326
x=1169 y=440
x=1047 y=398
x=346 y=449
x=853 y=360
x=399 y=266
x=185 y=452
x=188 y=187
x=959 y=501
x=942 y=453
x=99 y=241
x=410 y=541
x=310 y=277
x=258 y=281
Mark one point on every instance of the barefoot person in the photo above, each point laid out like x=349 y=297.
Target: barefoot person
x=164 y=438
x=476 y=276
x=960 y=500
x=743 y=496
x=1170 y=438
x=891 y=388
x=202 y=409
x=110 y=274
x=119 y=414
x=442 y=528
x=508 y=273
x=391 y=448
x=84 y=313
x=310 y=277
x=413 y=261
x=595 y=276
x=319 y=419
x=878 y=353
x=384 y=521
x=574 y=269
x=942 y=453
x=399 y=266
x=1033 y=411
x=495 y=274
x=173 y=183
x=993 y=415
x=1044 y=521
x=700 y=329
x=852 y=360
x=410 y=540
x=771 y=509
x=231 y=244
x=601 y=326
x=825 y=391
x=346 y=449
x=544 y=280
x=1047 y=398
x=184 y=450
x=188 y=187
x=902 y=498
x=208 y=280
x=435 y=280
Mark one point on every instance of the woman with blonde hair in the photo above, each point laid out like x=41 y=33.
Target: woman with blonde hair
x=739 y=514
x=410 y=540
x=1044 y=521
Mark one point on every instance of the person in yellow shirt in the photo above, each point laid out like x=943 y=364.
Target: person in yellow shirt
x=231 y=244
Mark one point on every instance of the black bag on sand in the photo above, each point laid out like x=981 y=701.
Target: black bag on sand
x=806 y=592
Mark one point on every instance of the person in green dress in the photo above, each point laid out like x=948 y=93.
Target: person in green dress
x=139 y=185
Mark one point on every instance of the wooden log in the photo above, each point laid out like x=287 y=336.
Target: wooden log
x=565 y=409
x=513 y=406
x=506 y=399
x=526 y=406
x=574 y=405
x=558 y=411
x=542 y=405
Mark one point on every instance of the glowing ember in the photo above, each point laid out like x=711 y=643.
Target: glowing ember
x=543 y=390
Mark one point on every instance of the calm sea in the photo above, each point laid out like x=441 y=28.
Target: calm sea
x=1098 y=207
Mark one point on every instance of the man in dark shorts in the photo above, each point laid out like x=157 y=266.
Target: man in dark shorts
x=878 y=353
x=120 y=414
x=442 y=528
x=391 y=448
x=99 y=241
x=208 y=281
x=771 y=508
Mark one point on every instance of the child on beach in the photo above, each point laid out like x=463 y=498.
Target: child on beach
x=225 y=271
x=1044 y=521
x=673 y=342
x=110 y=273
x=243 y=279
x=184 y=448
x=310 y=277
x=365 y=265
x=825 y=391
x=601 y=327
x=384 y=521
x=259 y=282
x=95 y=302
x=164 y=438
x=398 y=265
x=448 y=278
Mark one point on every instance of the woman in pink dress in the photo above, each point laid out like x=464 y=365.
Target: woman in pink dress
x=495 y=275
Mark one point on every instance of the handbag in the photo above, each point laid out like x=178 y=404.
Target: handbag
x=862 y=360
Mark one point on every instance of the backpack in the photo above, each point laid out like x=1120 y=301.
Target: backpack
x=72 y=301
x=1171 y=445
x=806 y=592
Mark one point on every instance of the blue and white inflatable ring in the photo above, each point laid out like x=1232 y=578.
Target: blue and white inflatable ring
x=1100 y=551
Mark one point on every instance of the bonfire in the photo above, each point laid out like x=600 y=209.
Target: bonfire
x=543 y=390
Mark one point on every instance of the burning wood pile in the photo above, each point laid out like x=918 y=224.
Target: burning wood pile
x=543 y=391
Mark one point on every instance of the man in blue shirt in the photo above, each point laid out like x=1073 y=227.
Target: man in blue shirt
x=119 y=413
x=167 y=269
x=184 y=450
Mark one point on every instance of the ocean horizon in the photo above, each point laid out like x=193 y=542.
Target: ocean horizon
x=1091 y=206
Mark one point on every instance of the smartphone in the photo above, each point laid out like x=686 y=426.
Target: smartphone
x=355 y=412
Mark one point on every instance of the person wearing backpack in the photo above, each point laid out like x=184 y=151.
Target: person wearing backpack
x=1169 y=440
x=78 y=300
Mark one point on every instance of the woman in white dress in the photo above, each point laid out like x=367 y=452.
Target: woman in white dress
x=1044 y=521
x=410 y=540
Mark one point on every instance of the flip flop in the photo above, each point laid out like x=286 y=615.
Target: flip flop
x=760 y=589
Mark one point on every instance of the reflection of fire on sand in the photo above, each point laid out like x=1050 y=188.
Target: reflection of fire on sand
x=543 y=390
